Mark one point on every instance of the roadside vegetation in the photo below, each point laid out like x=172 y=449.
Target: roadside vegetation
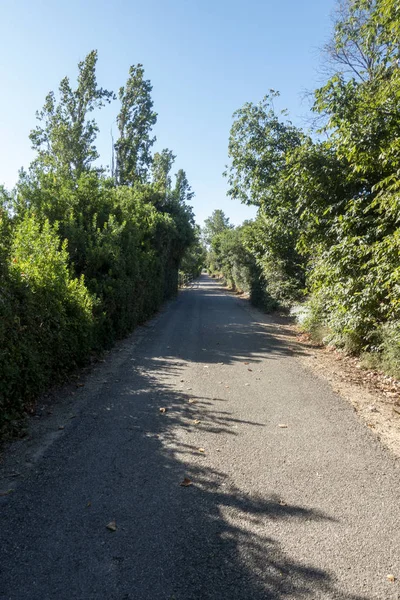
x=327 y=229
x=86 y=253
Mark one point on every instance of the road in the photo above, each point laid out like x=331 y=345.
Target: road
x=291 y=497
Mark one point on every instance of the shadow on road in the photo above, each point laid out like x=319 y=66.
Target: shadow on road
x=124 y=459
x=211 y=539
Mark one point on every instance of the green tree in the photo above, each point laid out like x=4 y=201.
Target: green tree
x=135 y=121
x=161 y=169
x=65 y=138
x=217 y=223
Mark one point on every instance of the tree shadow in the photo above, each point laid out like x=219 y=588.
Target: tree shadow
x=123 y=459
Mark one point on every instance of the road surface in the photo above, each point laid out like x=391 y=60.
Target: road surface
x=290 y=496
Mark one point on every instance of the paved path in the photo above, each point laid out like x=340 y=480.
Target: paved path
x=307 y=511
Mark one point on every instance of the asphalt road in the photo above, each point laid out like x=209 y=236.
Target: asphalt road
x=306 y=511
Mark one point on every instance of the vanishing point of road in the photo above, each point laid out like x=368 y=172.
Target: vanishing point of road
x=285 y=494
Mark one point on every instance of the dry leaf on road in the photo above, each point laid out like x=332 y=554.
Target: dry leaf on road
x=282 y=426
x=112 y=526
x=186 y=482
x=163 y=410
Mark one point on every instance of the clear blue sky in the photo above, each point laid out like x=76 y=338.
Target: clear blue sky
x=205 y=58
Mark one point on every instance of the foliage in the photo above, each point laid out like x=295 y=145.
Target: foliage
x=135 y=120
x=84 y=257
x=46 y=317
x=193 y=260
x=217 y=223
x=259 y=145
x=65 y=137
x=329 y=211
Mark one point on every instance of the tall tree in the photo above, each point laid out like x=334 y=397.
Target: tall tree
x=182 y=192
x=65 y=137
x=135 y=121
x=161 y=168
x=258 y=145
x=217 y=223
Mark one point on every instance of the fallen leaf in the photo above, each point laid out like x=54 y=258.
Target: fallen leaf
x=282 y=503
x=196 y=421
x=192 y=401
x=186 y=482
x=89 y=504
x=391 y=577
x=61 y=427
x=201 y=450
x=246 y=363
x=163 y=410
x=247 y=384
x=282 y=426
x=80 y=385
x=112 y=526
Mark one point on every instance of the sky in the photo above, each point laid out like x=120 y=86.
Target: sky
x=205 y=59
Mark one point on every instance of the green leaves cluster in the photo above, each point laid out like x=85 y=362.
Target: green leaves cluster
x=328 y=218
x=84 y=257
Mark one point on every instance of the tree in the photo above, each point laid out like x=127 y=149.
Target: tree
x=135 y=121
x=258 y=145
x=65 y=138
x=182 y=191
x=214 y=225
x=161 y=168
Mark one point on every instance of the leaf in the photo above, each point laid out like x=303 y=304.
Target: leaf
x=250 y=370
x=391 y=577
x=163 y=410
x=282 y=503
x=192 y=401
x=61 y=427
x=201 y=450
x=282 y=426
x=196 y=421
x=186 y=482
x=112 y=526
x=246 y=363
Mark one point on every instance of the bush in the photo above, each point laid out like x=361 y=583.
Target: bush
x=46 y=321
